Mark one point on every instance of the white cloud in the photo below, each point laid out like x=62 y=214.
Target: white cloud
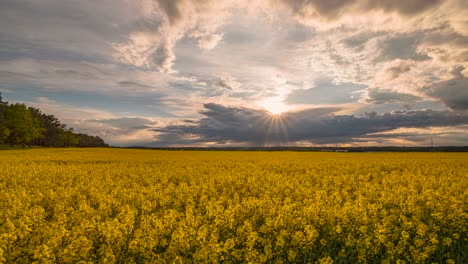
x=152 y=43
x=208 y=42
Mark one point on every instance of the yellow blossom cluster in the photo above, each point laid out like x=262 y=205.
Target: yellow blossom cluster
x=147 y=206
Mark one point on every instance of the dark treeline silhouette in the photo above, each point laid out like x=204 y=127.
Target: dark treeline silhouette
x=27 y=126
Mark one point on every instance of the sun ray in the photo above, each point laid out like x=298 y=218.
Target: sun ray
x=276 y=129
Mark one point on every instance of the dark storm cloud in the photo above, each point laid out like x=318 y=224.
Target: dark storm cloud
x=382 y=96
x=453 y=93
x=222 y=124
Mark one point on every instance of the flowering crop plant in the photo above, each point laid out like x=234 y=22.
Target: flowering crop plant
x=152 y=206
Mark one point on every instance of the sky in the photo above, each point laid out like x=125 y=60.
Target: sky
x=243 y=72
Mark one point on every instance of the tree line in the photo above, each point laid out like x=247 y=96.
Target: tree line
x=28 y=126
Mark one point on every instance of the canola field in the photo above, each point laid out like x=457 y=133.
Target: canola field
x=148 y=206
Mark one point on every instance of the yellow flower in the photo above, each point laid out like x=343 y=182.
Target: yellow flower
x=338 y=229
x=404 y=235
x=323 y=242
x=326 y=260
x=447 y=241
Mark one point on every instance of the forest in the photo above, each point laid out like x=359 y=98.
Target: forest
x=28 y=126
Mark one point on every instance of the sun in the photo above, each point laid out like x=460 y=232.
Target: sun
x=275 y=106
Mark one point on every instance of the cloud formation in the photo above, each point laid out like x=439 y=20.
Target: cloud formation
x=224 y=125
x=163 y=23
x=452 y=92
x=382 y=96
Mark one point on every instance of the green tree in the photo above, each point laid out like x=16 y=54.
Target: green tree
x=4 y=132
x=90 y=141
x=53 y=129
x=22 y=125
x=68 y=139
x=29 y=126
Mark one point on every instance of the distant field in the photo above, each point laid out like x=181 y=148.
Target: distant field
x=148 y=206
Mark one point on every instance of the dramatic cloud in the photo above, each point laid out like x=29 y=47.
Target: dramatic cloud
x=453 y=92
x=257 y=127
x=165 y=22
x=381 y=96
